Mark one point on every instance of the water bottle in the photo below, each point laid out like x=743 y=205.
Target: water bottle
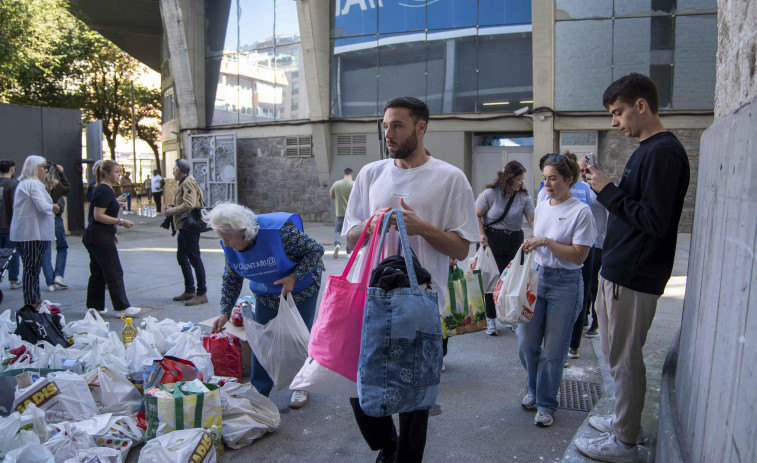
x=128 y=332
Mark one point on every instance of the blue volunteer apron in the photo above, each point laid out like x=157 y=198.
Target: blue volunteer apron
x=267 y=262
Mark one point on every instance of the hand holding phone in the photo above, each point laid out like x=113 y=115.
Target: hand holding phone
x=589 y=158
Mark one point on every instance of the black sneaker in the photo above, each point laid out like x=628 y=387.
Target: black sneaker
x=385 y=457
x=593 y=333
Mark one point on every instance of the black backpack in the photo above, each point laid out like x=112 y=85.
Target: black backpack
x=34 y=326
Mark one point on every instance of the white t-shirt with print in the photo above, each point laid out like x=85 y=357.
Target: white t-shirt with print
x=438 y=192
x=569 y=222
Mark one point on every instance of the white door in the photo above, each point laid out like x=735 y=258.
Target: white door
x=488 y=160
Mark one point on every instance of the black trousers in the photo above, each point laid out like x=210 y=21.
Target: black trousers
x=158 y=195
x=586 y=272
x=595 y=286
x=104 y=269
x=31 y=253
x=504 y=246
x=188 y=256
x=381 y=434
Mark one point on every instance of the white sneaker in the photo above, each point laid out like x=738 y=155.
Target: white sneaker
x=15 y=284
x=59 y=281
x=606 y=448
x=491 y=327
x=336 y=251
x=104 y=310
x=51 y=288
x=543 y=419
x=573 y=353
x=298 y=400
x=131 y=311
x=603 y=423
x=444 y=366
x=529 y=401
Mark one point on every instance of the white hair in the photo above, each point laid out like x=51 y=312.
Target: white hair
x=30 y=167
x=228 y=217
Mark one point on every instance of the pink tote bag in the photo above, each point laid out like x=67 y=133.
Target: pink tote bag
x=335 y=336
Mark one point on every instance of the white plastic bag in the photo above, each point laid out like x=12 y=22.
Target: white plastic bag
x=189 y=347
x=7 y=322
x=92 y=324
x=155 y=335
x=119 y=433
x=281 y=345
x=247 y=415
x=69 y=441
x=484 y=261
x=11 y=434
x=314 y=377
x=192 y=445
x=139 y=350
x=516 y=300
x=113 y=392
x=32 y=453
x=108 y=351
x=64 y=396
x=103 y=454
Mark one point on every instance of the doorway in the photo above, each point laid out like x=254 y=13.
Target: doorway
x=488 y=160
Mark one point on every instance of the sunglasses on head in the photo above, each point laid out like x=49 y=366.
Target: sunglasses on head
x=555 y=157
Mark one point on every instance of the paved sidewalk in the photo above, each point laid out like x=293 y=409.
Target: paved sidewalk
x=479 y=416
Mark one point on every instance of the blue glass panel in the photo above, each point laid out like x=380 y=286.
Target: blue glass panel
x=354 y=17
x=354 y=85
x=447 y=14
x=498 y=12
x=402 y=16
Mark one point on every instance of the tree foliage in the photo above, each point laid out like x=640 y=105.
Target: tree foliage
x=50 y=58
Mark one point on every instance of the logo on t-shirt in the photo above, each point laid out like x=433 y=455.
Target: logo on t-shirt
x=400 y=195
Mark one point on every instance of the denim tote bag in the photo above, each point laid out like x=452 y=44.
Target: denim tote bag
x=400 y=363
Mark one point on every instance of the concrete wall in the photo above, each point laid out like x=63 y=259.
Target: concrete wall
x=615 y=149
x=53 y=133
x=737 y=55
x=708 y=395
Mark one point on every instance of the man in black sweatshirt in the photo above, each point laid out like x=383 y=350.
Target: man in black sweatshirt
x=637 y=258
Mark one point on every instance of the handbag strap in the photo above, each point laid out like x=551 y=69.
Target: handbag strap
x=371 y=250
x=507 y=209
x=404 y=243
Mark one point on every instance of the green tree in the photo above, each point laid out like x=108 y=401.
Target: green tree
x=147 y=103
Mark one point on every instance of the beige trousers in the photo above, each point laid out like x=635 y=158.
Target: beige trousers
x=624 y=317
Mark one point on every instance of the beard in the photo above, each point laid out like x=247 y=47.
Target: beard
x=407 y=147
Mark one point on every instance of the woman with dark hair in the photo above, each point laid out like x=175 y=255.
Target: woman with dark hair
x=564 y=232
x=500 y=209
x=100 y=239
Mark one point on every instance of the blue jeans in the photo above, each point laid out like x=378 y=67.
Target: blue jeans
x=263 y=314
x=128 y=202
x=558 y=304
x=61 y=254
x=5 y=242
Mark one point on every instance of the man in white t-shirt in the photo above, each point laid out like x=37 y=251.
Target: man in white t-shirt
x=157 y=190
x=440 y=216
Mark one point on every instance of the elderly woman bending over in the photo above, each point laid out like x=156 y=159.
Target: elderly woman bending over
x=292 y=263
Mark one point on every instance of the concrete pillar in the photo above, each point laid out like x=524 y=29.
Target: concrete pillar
x=543 y=21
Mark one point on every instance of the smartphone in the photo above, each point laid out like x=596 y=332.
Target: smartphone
x=589 y=158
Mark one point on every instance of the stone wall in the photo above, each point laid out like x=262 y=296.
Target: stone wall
x=270 y=182
x=737 y=55
x=615 y=149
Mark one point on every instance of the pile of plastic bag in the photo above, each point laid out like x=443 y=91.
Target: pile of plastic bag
x=101 y=398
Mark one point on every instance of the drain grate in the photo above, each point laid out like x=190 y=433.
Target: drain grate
x=579 y=395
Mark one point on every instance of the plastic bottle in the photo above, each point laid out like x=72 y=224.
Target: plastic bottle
x=128 y=332
x=216 y=435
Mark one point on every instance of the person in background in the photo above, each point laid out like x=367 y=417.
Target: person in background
x=274 y=253
x=188 y=197
x=340 y=194
x=500 y=209
x=156 y=185
x=92 y=181
x=32 y=226
x=58 y=187
x=7 y=188
x=100 y=239
x=147 y=187
x=564 y=232
x=127 y=186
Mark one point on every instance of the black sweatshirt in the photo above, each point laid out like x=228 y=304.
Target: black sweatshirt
x=645 y=209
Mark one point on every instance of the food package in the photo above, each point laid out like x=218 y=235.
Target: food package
x=190 y=445
x=64 y=396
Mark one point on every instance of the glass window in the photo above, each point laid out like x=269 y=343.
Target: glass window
x=696 y=41
x=355 y=90
x=439 y=76
x=287 y=26
x=465 y=84
x=354 y=17
x=696 y=5
x=401 y=17
x=221 y=27
x=583 y=9
x=451 y=14
x=583 y=63
x=503 y=12
x=168 y=106
x=504 y=71
x=402 y=70
x=641 y=7
x=631 y=47
x=225 y=91
x=256 y=21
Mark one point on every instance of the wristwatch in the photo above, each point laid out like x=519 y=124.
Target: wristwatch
x=120 y=222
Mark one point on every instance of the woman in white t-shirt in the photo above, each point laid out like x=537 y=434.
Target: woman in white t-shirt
x=500 y=226
x=564 y=233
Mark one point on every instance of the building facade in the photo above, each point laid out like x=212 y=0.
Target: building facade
x=272 y=99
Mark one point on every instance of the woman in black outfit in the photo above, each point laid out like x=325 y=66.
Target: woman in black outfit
x=500 y=209
x=100 y=239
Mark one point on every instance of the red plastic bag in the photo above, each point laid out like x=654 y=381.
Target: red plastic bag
x=171 y=370
x=236 y=316
x=226 y=354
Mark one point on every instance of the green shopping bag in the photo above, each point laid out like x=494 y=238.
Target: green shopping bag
x=464 y=309
x=172 y=409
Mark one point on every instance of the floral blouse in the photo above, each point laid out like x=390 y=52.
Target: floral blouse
x=301 y=249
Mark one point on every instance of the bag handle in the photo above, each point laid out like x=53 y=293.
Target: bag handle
x=371 y=251
x=404 y=243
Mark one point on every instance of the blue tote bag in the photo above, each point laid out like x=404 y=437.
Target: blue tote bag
x=400 y=363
